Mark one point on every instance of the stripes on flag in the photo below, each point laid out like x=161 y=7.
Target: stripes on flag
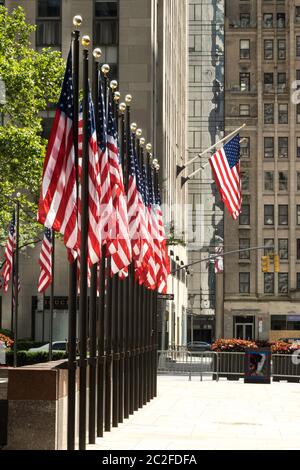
x=225 y=164
x=45 y=261
x=9 y=253
x=119 y=246
x=58 y=205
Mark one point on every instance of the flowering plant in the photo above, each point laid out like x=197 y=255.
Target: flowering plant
x=6 y=340
x=280 y=347
x=232 y=345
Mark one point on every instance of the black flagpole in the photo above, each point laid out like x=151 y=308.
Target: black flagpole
x=101 y=327
x=72 y=302
x=130 y=279
x=93 y=295
x=16 y=280
x=52 y=294
x=135 y=375
x=108 y=303
x=83 y=301
x=115 y=305
x=122 y=306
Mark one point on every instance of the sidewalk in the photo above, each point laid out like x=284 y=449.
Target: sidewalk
x=212 y=415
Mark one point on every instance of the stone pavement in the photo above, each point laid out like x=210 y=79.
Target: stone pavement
x=212 y=415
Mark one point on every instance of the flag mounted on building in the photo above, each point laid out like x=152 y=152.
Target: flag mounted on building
x=9 y=253
x=58 y=198
x=45 y=262
x=225 y=164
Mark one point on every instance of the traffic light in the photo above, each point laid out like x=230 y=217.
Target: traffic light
x=265 y=264
x=276 y=264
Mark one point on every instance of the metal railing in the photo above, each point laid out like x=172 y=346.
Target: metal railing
x=221 y=364
x=188 y=363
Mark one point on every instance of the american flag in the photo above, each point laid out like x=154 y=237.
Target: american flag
x=133 y=205
x=219 y=260
x=148 y=257
x=58 y=199
x=45 y=261
x=94 y=235
x=225 y=164
x=119 y=246
x=165 y=269
x=106 y=203
x=158 y=255
x=9 y=253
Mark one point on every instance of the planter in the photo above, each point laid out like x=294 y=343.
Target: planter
x=231 y=365
x=284 y=369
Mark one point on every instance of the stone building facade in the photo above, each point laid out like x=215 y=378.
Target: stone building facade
x=145 y=42
x=262 y=64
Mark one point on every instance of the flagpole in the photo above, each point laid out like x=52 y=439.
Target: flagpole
x=184 y=179
x=72 y=300
x=101 y=374
x=12 y=292
x=150 y=303
x=116 y=289
x=93 y=291
x=43 y=320
x=83 y=299
x=52 y=294
x=108 y=303
x=179 y=169
x=122 y=308
x=130 y=279
x=136 y=304
x=16 y=280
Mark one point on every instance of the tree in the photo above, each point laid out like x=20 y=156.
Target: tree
x=32 y=81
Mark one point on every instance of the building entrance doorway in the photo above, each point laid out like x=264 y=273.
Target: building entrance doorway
x=244 y=327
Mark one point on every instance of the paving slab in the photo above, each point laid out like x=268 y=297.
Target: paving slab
x=194 y=415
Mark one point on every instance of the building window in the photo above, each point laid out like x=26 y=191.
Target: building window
x=48 y=22
x=269 y=147
x=298 y=181
x=283 y=113
x=269 y=113
x=269 y=214
x=298 y=113
x=283 y=283
x=107 y=32
x=244 y=218
x=244 y=244
x=298 y=248
x=269 y=181
x=245 y=49
x=281 y=82
x=298 y=280
x=245 y=81
x=269 y=283
x=245 y=20
x=244 y=283
x=268 y=20
x=281 y=50
x=283 y=214
x=283 y=181
x=297 y=46
x=298 y=214
x=280 y=20
x=245 y=178
x=297 y=15
x=269 y=242
x=244 y=109
x=283 y=248
x=268 y=49
x=283 y=147
x=278 y=322
x=245 y=147
x=268 y=81
x=298 y=147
